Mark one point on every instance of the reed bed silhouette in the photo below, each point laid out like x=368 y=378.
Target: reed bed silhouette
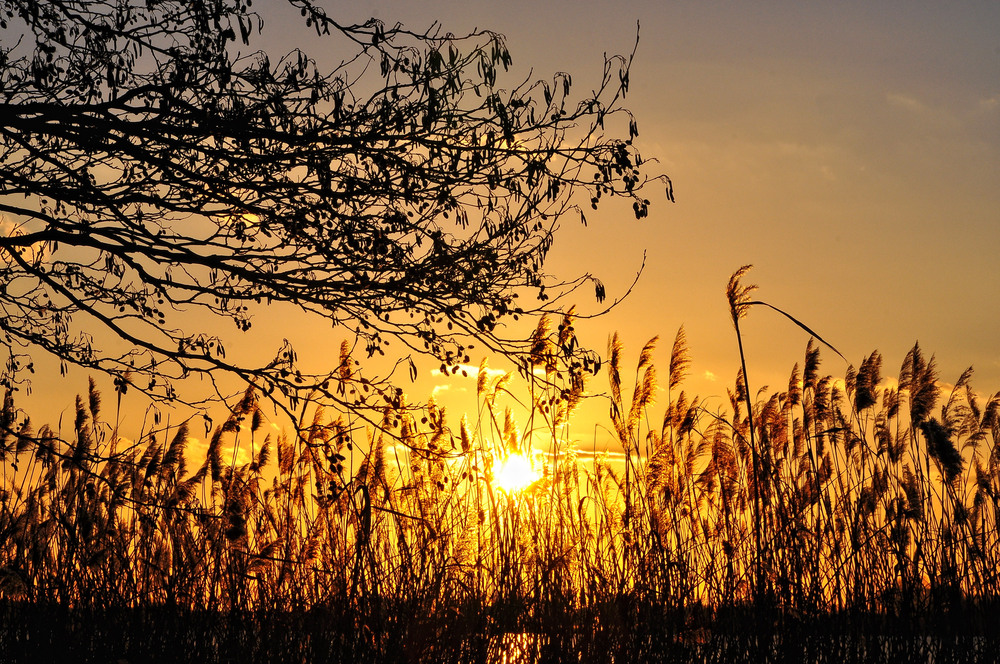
x=837 y=519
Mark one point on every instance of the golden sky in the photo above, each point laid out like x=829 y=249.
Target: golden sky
x=849 y=150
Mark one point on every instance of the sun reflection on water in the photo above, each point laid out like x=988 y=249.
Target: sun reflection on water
x=512 y=648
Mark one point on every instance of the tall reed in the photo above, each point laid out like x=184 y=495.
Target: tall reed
x=864 y=503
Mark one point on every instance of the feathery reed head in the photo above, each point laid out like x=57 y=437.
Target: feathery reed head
x=866 y=382
x=942 y=449
x=738 y=295
x=680 y=359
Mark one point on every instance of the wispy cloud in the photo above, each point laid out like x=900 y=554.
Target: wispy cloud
x=197 y=448
x=905 y=101
x=931 y=116
x=445 y=387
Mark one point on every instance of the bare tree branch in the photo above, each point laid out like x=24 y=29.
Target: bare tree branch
x=147 y=171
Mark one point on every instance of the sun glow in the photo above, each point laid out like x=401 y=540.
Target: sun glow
x=516 y=474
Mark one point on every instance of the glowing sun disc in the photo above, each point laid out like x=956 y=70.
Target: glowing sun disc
x=515 y=474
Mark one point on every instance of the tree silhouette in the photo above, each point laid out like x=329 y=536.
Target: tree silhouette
x=150 y=170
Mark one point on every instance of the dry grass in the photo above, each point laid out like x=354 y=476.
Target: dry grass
x=876 y=503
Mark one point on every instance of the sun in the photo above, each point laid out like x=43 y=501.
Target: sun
x=515 y=474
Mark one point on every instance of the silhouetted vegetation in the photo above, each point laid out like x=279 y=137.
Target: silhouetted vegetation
x=159 y=185
x=876 y=499
x=148 y=173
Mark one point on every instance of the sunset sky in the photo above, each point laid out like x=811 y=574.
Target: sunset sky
x=212 y=227
x=849 y=150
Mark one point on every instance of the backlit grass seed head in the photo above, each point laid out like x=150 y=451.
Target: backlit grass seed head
x=95 y=399
x=794 y=394
x=913 y=493
x=738 y=295
x=680 y=359
x=646 y=355
x=264 y=455
x=810 y=372
x=499 y=386
x=866 y=382
x=25 y=439
x=614 y=367
x=173 y=458
x=345 y=361
x=482 y=378
x=991 y=417
x=645 y=389
x=566 y=331
x=942 y=449
x=541 y=346
x=919 y=377
x=465 y=436
x=286 y=455
x=248 y=404
x=510 y=432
